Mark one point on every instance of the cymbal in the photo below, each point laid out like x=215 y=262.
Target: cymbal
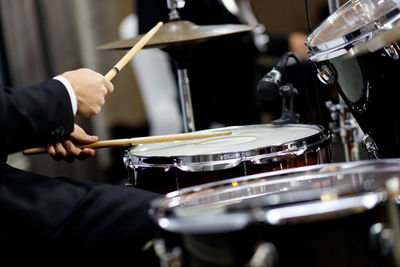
x=178 y=33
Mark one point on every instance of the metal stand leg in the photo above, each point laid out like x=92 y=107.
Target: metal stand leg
x=183 y=79
x=186 y=101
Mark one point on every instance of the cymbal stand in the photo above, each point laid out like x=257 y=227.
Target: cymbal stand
x=243 y=10
x=185 y=97
x=173 y=6
x=183 y=78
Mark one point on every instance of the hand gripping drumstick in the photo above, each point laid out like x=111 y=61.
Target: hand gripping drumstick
x=114 y=71
x=132 y=52
x=138 y=141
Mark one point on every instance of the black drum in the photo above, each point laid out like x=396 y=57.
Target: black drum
x=367 y=81
x=342 y=214
x=169 y=166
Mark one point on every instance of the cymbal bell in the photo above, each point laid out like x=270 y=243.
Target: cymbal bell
x=179 y=32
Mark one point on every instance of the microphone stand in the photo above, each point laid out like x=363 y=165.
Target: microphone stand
x=288 y=115
x=270 y=85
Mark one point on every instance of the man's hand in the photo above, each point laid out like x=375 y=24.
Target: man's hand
x=67 y=149
x=90 y=89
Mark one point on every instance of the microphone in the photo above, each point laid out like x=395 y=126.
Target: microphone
x=268 y=86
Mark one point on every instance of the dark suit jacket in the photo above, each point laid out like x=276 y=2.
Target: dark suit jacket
x=43 y=217
x=30 y=117
x=33 y=116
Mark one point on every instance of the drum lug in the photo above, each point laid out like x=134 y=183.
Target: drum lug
x=393 y=190
x=265 y=255
x=177 y=163
x=132 y=177
x=131 y=173
x=326 y=74
x=392 y=50
x=369 y=145
x=130 y=169
x=171 y=258
x=381 y=239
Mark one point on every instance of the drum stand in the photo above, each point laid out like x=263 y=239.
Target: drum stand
x=347 y=129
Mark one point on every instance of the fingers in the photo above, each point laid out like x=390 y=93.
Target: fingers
x=80 y=136
x=75 y=152
x=109 y=86
x=68 y=151
x=52 y=152
x=58 y=152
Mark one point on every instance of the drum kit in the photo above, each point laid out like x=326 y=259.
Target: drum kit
x=269 y=194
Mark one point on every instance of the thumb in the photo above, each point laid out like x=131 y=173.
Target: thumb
x=80 y=136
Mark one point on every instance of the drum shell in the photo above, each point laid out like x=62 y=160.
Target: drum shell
x=369 y=87
x=355 y=48
x=162 y=180
x=344 y=241
x=286 y=210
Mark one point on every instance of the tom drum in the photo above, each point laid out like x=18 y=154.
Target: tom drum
x=169 y=166
x=356 y=48
x=337 y=214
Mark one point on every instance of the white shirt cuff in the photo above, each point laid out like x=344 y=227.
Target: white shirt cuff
x=71 y=92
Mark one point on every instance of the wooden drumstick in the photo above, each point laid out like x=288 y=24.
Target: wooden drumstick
x=132 y=52
x=138 y=141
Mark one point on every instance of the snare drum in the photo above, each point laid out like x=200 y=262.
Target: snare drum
x=168 y=166
x=342 y=214
x=367 y=82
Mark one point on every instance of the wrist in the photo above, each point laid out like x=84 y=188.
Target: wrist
x=71 y=92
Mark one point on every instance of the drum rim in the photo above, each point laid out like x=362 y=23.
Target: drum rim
x=162 y=209
x=226 y=160
x=342 y=45
x=323 y=169
x=237 y=220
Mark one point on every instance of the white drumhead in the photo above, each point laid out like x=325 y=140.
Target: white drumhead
x=243 y=138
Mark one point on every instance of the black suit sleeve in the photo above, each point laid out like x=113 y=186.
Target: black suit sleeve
x=34 y=116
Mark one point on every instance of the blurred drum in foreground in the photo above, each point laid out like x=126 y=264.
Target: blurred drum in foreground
x=342 y=214
x=366 y=80
x=169 y=166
